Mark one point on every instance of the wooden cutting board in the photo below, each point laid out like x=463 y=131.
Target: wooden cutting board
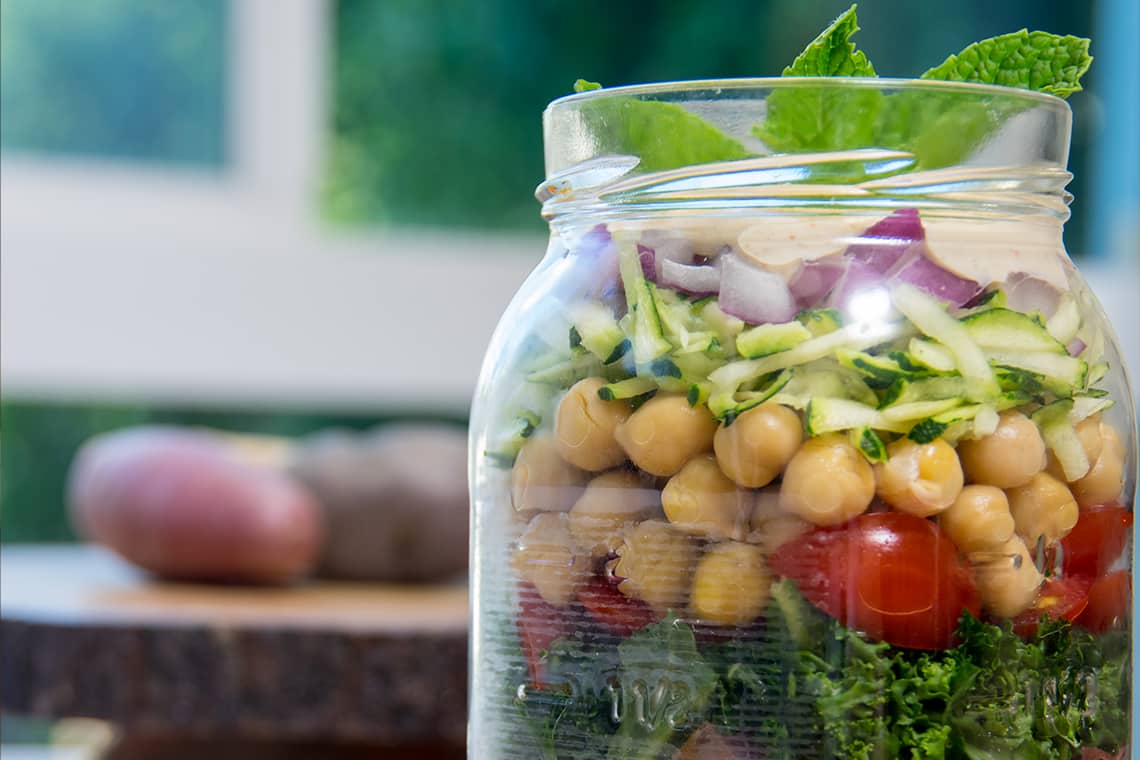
x=84 y=634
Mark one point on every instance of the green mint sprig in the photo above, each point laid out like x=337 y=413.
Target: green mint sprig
x=1027 y=60
x=832 y=53
x=939 y=128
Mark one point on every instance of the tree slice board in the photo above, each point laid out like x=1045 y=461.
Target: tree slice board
x=84 y=634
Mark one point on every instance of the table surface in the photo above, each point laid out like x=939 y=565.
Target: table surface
x=84 y=634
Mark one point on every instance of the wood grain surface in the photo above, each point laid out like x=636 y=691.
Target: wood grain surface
x=83 y=634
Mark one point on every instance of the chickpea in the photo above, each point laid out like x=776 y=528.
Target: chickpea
x=655 y=562
x=543 y=481
x=979 y=519
x=611 y=501
x=1088 y=433
x=702 y=500
x=772 y=527
x=1043 y=507
x=545 y=557
x=1006 y=578
x=1009 y=457
x=730 y=584
x=665 y=433
x=1105 y=479
x=584 y=427
x=920 y=478
x=827 y=482
x=758 y=444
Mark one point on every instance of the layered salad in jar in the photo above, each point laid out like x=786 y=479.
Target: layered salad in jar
x=819 y=484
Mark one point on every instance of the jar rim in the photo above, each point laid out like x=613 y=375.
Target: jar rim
x=789 y=83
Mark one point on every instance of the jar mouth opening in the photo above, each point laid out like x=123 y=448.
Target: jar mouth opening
x=723 y=86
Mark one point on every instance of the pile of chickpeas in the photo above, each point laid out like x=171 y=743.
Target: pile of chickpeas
x=685 y=511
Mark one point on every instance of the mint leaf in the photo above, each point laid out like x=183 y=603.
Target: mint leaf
x=1029 y=60
x=832 y=54
x=663 y=135
x=824 y=118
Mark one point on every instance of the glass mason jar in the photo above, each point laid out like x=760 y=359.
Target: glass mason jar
x=805 y=438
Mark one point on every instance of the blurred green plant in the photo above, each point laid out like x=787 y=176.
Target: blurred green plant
x=115 y=78
x=436 y=105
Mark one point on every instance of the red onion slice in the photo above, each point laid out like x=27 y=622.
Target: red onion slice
x=1026 y=293
x=659 y=246
x=696 y=280
x=1076 y=347
x=918 y=269
x=883 y=244
x=755 y=295
x=815 y=279
x=858 y=277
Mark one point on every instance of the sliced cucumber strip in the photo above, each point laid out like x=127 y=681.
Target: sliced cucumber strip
x=932 y=354
x=1061 y=437
x=726 y=327
x=1061 y=373
x=597 y=331
x=880 y=371
x=1008 y=330
x=820 y=321
x=855 y=337
x=568 y=371
x=916 y=410
x=869 y=442
x=504 y=453
x=825 y=415
x=1086 y=406
x=647 y=338
x=928 y=315
x=771 y=339
x=1066 y=321
x=1097 y=372
x=634 y=386
x=726 y=405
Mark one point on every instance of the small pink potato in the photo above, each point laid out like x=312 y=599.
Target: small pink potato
x=183 y=504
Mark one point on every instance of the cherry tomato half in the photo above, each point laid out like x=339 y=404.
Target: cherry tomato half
x=613 y=609
x=1058 y=598
x=1109 y=604
x=539 y=624
x=891 y=575
x=1096 y=541
x=1094 y=753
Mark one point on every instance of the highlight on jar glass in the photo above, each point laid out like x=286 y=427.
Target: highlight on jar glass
x=805 y=438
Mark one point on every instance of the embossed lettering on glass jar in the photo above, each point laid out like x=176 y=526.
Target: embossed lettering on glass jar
x=837 y=446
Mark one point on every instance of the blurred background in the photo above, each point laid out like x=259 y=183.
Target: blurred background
x=278 y=217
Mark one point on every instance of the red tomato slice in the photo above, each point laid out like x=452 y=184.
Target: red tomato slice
x=1093 y=753
x=613 y=609
x=1096 y=541
x=891 y=575
x=1058 y=598
x=539 y=624
x=1110 y=603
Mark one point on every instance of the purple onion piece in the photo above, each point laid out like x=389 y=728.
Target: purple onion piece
x=648 y=259
x=858 y=277
x=917 y=268
x=657 y=246
x=1026 y=293
x=754 y=295
x=1076 y=347
x=882 y=245
x=595 y=263
x=814 y=280
x=701 y=280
